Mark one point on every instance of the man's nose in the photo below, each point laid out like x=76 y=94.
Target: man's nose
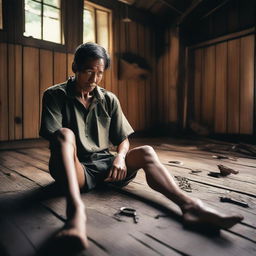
x=93 y=78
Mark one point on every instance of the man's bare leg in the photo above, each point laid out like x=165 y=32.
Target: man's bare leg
x=68 y=172
x=159 y=179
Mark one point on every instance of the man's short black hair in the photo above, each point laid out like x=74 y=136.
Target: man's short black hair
x=89 y=51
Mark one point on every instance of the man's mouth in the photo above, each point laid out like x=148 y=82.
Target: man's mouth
x=90 y=85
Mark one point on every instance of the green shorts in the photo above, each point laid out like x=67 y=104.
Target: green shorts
x=96 y=168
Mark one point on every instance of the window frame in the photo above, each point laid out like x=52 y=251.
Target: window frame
x=41 y=43
x=1 y=13
x=43 y=5
x=96 y=7
x=3 y=31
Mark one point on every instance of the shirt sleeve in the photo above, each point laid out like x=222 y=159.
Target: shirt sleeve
x=120 y=128
x=51 y=119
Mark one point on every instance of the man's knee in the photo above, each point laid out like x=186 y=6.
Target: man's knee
x=64 y=135
x=147 y=153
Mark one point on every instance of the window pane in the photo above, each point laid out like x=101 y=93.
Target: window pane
x=1 y=15
x=55 y=3
x=89 y=26
x=102 y=28
x=32 y=19
x=51 y=24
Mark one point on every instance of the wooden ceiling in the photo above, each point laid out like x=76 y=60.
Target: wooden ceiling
x=159 y=7
x=179 y=10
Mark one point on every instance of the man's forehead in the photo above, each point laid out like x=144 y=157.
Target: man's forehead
x=93 y=62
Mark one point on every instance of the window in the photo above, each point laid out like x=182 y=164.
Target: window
x=43 y=20
x=1 y=14
x=97 y=25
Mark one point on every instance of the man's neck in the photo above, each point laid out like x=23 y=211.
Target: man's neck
x=83 y=94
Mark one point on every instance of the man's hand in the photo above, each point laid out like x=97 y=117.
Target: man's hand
x=118 y=171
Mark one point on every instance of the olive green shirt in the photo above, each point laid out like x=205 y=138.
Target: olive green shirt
x=95 y=128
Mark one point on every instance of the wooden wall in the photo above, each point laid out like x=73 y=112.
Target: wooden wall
x=231 y=16
x=134 y=95
x=221 y=87
x=25 y=72
x=167 y=71
x=222 y=84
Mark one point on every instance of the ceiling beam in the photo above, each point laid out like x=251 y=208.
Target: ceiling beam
x=214 y=9
x=193 y=6
x=171 y=6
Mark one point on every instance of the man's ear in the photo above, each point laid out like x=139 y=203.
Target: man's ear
x=74 y=67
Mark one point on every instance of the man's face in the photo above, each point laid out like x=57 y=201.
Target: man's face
x=91 y=75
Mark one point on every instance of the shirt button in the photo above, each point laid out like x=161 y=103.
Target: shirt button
x=93 y=148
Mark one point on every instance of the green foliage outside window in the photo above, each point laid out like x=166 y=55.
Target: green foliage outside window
x=43 y=20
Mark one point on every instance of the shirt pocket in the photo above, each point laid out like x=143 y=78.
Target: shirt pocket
x=103 y=131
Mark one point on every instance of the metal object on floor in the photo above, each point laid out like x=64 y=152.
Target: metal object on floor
x=128 y=211
x=234 y=201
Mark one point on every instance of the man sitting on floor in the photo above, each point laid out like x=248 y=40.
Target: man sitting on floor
x=80 y=119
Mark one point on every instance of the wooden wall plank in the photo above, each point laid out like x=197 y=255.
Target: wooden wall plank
x=149 y=56
x=60 y=67
x=159 y=89
x=198 y=84
x=153 y=82
x=11 y=90
x=30 y=92
x=141 y=84
x=173 y=75
x=233 y=86
x=208 y=86
x=46 y=73
x=132 y=90
x=106 y=83
x=18 y=93
x=3 y=93
x=166 y=69
x=247 y=84
x=220 y=123
x=70 y=58
x=122 y=84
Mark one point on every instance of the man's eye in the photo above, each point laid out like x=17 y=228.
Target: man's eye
x=88 y=72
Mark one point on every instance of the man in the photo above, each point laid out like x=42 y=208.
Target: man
x=80 y=119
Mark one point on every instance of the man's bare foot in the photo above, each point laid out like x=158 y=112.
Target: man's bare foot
x=196 y=213
x=73 y=234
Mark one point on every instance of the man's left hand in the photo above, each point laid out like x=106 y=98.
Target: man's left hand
x=118 y=171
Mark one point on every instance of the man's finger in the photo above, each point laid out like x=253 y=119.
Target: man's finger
x=124 y=174
x=120 y=174
x=109 y=175
x=115 y=173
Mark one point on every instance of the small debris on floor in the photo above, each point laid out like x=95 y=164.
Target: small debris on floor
x=224 y=157
x=184 y=183
x=161 y=216
x=195 y=171
x=234 y=201
x=176 y=162
x=214 y=174
x=224 y=170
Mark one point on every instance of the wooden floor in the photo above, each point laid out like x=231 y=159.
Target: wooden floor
x=32 y=211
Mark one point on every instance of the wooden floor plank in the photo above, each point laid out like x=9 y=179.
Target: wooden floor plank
x=13 y=242
x=26 y=160
x=159 y=231
x=41 y=154
x=39 y=177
